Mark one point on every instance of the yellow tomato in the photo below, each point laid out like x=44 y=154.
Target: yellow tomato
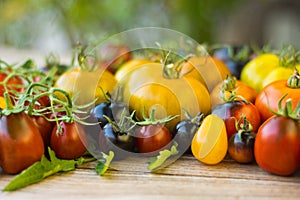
x=209 y=144
x=208 y=70
x=87 y=85
x=128 y=67
x=256 y=70
x=2 y=103
x=146 y=88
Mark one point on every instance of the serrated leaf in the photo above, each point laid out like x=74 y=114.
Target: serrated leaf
x=102 y=167
x=158 y=161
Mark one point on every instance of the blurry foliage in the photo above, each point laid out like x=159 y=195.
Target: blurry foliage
x=23 y=21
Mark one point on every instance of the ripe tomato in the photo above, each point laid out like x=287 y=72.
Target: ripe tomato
x=208 y=70
x=13 y=83
x=89 y=85
x=277 y=145
x=230 y=112
x=71 y=143
x=237 y=86
x=256 y=70
x=21 y=143
x=45 y=128
x=152 y=138
x=128 y=67
x=148 y=89
x=272 y=93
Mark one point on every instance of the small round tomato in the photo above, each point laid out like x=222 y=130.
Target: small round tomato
x=230 y=84
x=277 y=145
x=230 y=112
x=152 y=138
x=269 y=97
x=21 y=143
x=70 y=143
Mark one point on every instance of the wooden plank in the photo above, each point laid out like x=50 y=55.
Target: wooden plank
x=186 y=178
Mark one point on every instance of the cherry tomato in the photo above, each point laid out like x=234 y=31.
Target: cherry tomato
x=21 y=143
x=277 y=145
x=152 y=138
x=45 y=128
x=70 y=143
x=231 y=84
x=230 y=112
x=14 y=83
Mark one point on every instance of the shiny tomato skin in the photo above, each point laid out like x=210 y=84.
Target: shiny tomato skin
x=270 y=96
x=71 y=143
x=277 y=145
x=21 y=143
x=45 y=128
x=230 y=112
x=152 y=138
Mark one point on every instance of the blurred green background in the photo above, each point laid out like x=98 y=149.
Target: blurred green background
x=58 y=24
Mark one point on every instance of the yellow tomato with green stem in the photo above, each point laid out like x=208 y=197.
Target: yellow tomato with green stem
x=148 y=87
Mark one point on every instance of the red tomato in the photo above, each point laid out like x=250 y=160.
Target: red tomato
x=13 y=83
x=71 y=143
x=230 y=112
x=45 y=128
x=152 y=138
x=272 y=93
x=21 y=143
x=277 y=145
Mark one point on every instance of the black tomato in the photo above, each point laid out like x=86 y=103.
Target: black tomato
x=241 y=147
x=99 y=111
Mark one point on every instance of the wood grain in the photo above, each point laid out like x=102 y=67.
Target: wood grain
x=184 y=179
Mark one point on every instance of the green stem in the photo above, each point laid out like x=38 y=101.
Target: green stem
x=294 y=80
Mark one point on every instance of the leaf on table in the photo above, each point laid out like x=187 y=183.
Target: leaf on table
x=40 y=170
x=158 y=161
x=103 y=166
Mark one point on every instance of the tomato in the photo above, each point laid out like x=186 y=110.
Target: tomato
x=152 y=138
x=231 y=84
x=21 y=143
x=14 y=83
x=230 y=112
x=277 y=145
x=87 y=84
x=113 y=56
x=280 y=73
x=45 y=128
x=272 y=93
x=208 y=70
x=70 y=143
x=209 y=145
x=128 y=67
x=147 y=88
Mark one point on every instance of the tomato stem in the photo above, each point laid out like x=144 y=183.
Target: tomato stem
x=294 y=80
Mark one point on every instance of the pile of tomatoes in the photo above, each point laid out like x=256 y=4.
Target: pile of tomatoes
x=129 y=104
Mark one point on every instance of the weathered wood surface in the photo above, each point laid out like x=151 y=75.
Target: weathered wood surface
x=187 y=178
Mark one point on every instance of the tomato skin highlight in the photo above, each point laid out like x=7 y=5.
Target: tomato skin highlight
x=71 y=143
x=277 y=146
x=21 y=143
x=151 y=138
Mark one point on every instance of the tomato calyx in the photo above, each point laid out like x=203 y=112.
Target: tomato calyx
x=294 y=80
x=289 y=57
x=287 y=110
x=151 y=120
x=197 y=120
x=244 y=128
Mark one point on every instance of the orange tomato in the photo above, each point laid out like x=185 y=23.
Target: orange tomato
x=208 y=70
x=241 y=89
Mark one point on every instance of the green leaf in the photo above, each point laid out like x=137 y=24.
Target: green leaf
x=103 y=166
x=158 y=161
x=40 y=170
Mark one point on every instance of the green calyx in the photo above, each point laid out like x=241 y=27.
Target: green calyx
x=289 y=57
x=294 y=80
x=151 y=120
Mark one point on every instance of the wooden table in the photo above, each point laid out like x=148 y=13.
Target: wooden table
x=187 y=178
